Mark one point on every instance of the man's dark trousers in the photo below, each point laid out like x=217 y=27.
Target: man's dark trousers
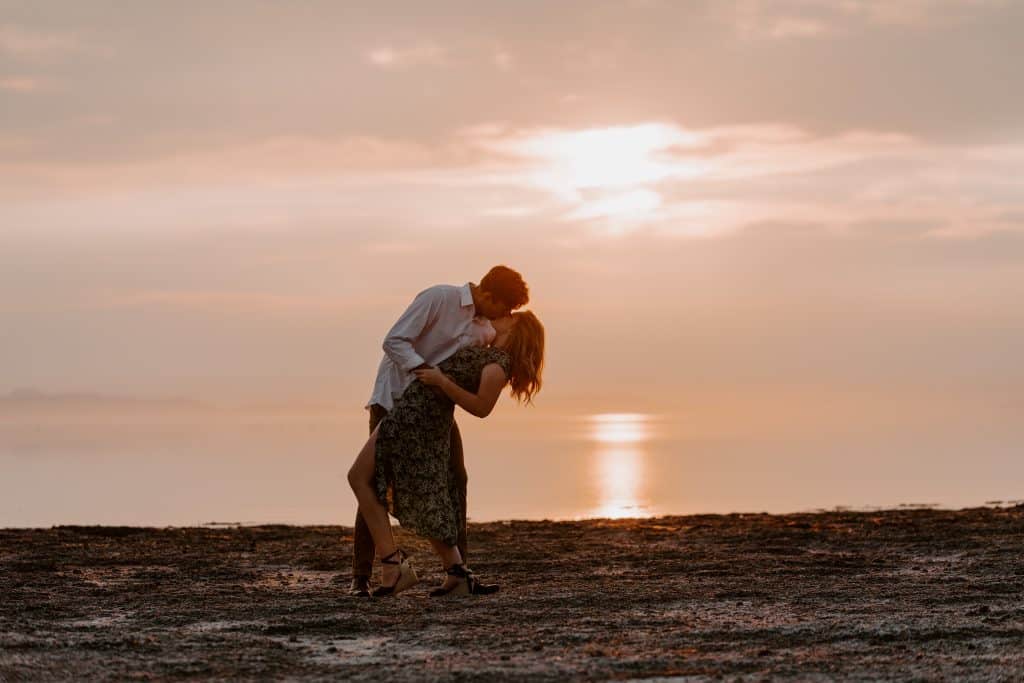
x=363 y=552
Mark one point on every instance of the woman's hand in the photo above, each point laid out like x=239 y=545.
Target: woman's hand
x=432 y=377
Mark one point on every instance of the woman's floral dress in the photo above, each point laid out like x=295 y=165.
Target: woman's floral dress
x=413 y=475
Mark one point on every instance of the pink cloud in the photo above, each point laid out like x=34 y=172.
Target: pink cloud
x=656 y=175
x=22 y=84
x=221 y=302
x=26 y=43
x=801 y=19
x=390 y=57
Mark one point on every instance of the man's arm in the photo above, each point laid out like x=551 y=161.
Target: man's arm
x=398 y=344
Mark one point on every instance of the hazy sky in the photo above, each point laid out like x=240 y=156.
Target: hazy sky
x=235 y=199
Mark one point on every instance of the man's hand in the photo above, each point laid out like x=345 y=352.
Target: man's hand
x=432 y=377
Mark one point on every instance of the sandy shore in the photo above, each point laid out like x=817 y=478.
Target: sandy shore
x=903 y=594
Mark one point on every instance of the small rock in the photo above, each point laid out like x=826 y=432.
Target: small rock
x=293 y=639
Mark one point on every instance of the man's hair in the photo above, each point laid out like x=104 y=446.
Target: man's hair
x=507 y=286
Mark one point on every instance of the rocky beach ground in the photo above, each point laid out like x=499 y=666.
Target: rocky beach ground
x=906 y=594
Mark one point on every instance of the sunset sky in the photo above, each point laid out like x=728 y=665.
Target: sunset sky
x=233 y=201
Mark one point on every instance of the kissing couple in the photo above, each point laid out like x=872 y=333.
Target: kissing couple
x=452 y=346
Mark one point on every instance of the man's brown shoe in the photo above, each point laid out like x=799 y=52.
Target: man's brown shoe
x=360 y=587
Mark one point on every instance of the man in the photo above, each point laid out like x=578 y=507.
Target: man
x=439 y=321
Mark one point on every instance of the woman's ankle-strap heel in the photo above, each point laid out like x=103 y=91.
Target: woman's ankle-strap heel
x=406 y=575
x=464 y=585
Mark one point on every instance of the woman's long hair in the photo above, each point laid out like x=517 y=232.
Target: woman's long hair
x=525 y=348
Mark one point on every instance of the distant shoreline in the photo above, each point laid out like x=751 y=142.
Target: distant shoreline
x=840 y=509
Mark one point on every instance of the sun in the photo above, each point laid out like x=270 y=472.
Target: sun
x=606 y=172
x=619 y=428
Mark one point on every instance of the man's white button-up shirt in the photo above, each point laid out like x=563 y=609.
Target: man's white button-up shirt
x=437 y=323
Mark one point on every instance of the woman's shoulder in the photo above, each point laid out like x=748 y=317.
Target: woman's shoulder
x=499 y=357
x=482 y=355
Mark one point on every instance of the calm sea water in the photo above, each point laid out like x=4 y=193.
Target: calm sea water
x=522 y=465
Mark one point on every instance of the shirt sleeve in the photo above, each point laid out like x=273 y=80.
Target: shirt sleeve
x=421 y=313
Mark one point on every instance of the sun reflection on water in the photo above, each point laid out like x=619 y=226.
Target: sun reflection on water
x=620 y=464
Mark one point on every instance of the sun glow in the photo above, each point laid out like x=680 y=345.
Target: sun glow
x=620 y=157
x=607 y=172
x=635 y=203
x=619 y=428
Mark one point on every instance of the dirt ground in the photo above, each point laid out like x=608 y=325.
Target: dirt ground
x=910 y=594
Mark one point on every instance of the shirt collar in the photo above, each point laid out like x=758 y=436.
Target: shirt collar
x=467 y=295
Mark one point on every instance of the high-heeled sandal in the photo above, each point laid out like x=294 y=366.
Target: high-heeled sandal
x=406 y=575
x=464 y=586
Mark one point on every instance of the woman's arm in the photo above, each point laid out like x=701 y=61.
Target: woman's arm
x=492 y=380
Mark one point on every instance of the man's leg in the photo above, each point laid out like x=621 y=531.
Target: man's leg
x=458 y=468
x=363 y=548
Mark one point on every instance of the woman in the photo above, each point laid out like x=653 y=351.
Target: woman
x=405 y=463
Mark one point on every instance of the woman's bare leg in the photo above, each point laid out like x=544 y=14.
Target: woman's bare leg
x=361 y=477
